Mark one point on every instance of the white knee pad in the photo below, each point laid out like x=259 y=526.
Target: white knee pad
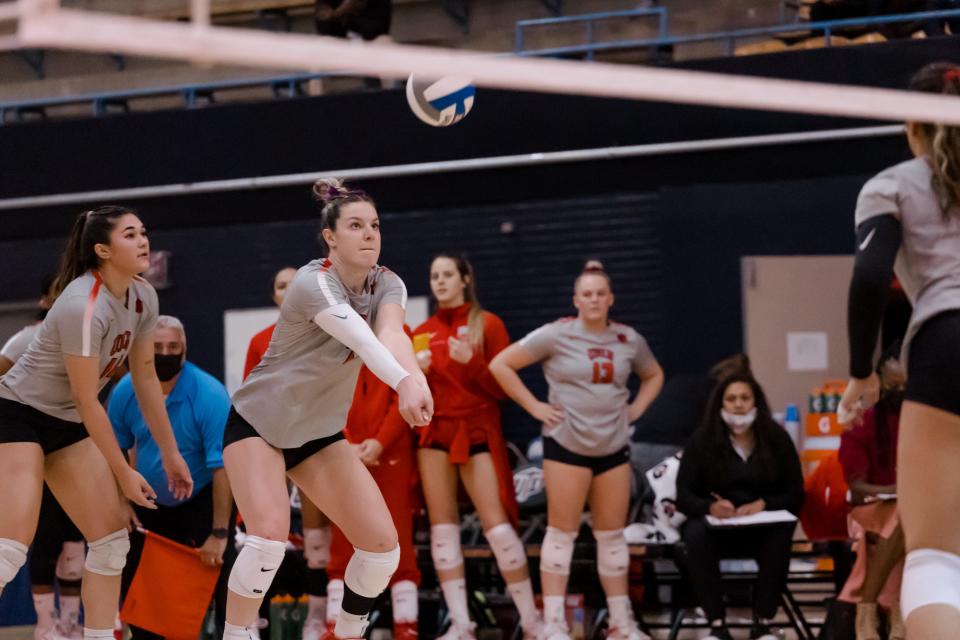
x=368 y=573
x=445 y=546
x=930 y=576
x=506 y=547
x=556 y=552
x=13 y=555
x=613 y=556
x=108 y=555
x=256 y=566
x=70 y=561
x=316 y=547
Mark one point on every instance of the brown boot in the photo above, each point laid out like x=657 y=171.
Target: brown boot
x=868 y=625
x=898 y=631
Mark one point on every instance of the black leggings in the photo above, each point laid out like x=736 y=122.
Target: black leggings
x=703 y=547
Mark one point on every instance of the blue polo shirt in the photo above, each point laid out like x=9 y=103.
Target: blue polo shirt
x=198 y=406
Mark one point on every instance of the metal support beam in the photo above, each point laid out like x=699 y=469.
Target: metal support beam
x=459 y=10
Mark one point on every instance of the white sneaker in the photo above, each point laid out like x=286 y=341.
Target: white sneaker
x=630 y=632
x=555 y=631
x=534 y=630
x=314 y=627
x=457 y=632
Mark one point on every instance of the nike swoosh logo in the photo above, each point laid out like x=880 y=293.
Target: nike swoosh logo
x=392 y=462
x=262 y=570
x=343 y=317
x=866 y=241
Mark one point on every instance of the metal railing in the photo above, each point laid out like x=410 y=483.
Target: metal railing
x=100 y=101
x=588 y=21
x=289 y=84
x=827 y=28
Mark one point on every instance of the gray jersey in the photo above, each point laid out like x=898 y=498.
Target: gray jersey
x=587 y=373
x=86 y=320
x=303 y=386
x=17 y=345
x=928 y=263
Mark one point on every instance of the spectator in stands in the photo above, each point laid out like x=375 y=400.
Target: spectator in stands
x=384 y=443
x=676 y=413
x=316 y=526
x=868 y=454
x=587 y=361
x=739 y=463
x=939 y=27
x=57 y=550
x=197 y=404
x=464 y=442
x=367 y=20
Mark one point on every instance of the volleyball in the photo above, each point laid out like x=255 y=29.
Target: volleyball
x=442 y=102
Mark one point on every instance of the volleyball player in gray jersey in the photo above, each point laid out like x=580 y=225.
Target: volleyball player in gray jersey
x=908 y=223
x=587 y=361
x=289 y=413
x=103 y=313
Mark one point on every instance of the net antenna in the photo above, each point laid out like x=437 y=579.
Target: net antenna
x=44 y=24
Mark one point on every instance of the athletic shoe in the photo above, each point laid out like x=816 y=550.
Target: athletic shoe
x=70 y=629
x=330 y=635
x=631 y=632
x=314 y=627
x=456 y=632
x=405 y=631
x=534 y=630
x=555 y=631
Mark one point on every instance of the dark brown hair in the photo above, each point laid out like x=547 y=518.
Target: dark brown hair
x=332 y=194
x=89 y=229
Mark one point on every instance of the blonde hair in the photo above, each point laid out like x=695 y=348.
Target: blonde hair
x=943 y=78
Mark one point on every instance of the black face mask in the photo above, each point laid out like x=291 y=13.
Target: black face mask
x=168 y=366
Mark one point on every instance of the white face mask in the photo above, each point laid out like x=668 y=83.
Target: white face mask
x=739 y=423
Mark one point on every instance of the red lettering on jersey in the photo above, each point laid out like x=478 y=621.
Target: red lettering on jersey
x=139 y=305
x=120 y=343
x=602 y=373
x=597 y=353
x=108 y=370
x=350 y=357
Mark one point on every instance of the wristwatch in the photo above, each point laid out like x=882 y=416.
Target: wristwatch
x=219 y=533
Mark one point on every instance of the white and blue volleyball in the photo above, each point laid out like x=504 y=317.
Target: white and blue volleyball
x=442 y=102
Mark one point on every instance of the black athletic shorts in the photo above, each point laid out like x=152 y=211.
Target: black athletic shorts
x=552 y=450
x=933 y=373
x=237 y=429
x=22 y=423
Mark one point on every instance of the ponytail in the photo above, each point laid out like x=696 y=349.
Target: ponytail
x=89 y=229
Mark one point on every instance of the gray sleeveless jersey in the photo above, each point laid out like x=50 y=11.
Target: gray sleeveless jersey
x=303 y=386
x=587 y=373
x=928 y=263
x=86 y=320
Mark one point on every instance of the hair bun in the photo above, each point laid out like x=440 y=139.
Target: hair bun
x=592 y=266
x=326 y=190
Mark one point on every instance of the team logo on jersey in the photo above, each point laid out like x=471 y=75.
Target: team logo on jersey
x=139 y=305
x=597 y=353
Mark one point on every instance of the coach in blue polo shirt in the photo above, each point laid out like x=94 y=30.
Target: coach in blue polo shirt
x=197 y=404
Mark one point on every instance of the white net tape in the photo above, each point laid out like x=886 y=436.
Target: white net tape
x=47 y=27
